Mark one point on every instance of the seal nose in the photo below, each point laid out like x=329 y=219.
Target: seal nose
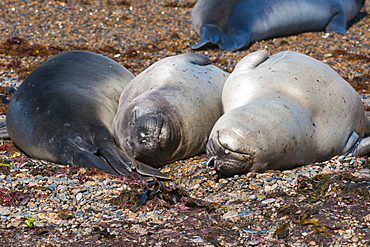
x=211 y=164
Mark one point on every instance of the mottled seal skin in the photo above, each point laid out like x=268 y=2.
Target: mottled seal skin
x=167 y=112
x=285 y=111
x=63 y=112
x=235 y=24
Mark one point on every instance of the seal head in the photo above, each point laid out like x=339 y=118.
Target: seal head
x=153 y=132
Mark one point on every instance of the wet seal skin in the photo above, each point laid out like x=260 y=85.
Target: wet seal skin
x=167 y=112
x=284 y=111
x=235 y=24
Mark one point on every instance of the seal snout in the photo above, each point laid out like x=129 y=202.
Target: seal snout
x=226 y=161
x=228 y=166
x=145 y=131
x=150 y=138
x=211 y=164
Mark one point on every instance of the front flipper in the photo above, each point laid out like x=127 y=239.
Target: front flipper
x=211 y=34
x=84 y=158
x=351 y=143
x=115 y=158
x=356 y=145
x=147 y=172
x=362 y=147
x=237 y=41
x=3 y=130
x=337 y=22
x=124 y=165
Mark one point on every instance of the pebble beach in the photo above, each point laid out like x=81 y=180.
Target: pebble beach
x=47 y=204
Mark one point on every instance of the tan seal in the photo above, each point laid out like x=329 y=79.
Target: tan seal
x=167 y=112
x=283 y=111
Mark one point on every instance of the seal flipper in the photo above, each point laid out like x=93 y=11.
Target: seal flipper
x=106 y=156
x=3 y=130
x=115 y=158
x=352 y=143
x=362 y=147
x=338 y=21
x=211 y=34
x=197 y=59
x=236 y=42
x=252 y=60
x=111 y=160
x=357 y=146
x=145 y=170
x=123 y=165
x=84 y=158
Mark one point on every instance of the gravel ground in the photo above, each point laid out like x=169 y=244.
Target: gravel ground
x=45 y=204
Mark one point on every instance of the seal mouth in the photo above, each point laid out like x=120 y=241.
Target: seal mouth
x=226 y=161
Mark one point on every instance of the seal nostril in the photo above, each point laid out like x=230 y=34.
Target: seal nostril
x=211 y=163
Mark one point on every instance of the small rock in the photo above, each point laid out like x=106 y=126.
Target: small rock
x=223 y=181
x=341 y=158
x=38 y=223
x=245 y=213
x=269 y=188
x=63 y=197
x=365 y=170
x=249 y=230
x=53 y=186
x=253 y=197
x=367 y=218
x=75 y=191
x=80 y=213
x=31 y=205
x=131 y=215
x=354 y=239
x=230 y=214
x=14 y=224
x=268 y=201
x=257 y=212
x=5 y=211
x=21 y=175
x=197 y=239
x=253 y=243
x=79 y=196
x=347 y=236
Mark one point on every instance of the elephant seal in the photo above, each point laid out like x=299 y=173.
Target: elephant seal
x=167 y=112
x=63 y=112
x=235 y=24
x=285 y=111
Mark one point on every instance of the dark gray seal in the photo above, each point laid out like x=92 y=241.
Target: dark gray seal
x=235 y=24
x=63 y=112
x=284 y=111
x=167 y=112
